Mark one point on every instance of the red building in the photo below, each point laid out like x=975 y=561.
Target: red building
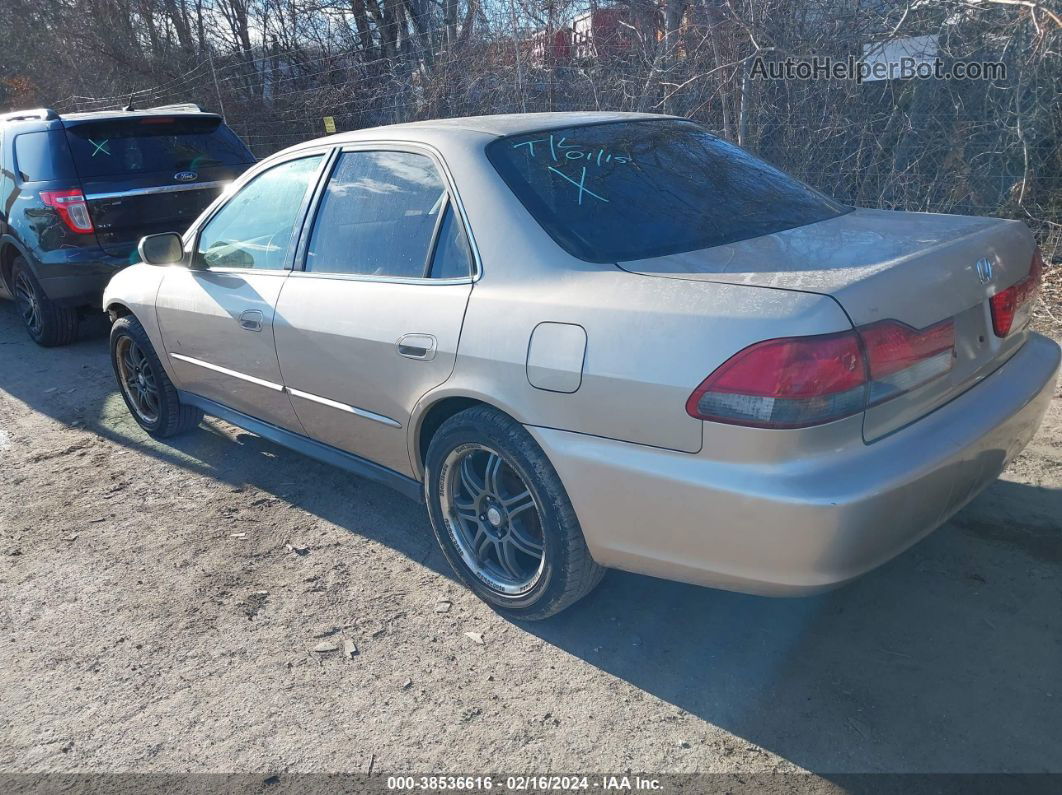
x=551 y=48
x=600 y=33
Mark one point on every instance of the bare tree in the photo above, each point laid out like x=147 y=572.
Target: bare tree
x=278 y=66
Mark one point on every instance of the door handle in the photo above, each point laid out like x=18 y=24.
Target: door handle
x=417 y=346
x=251 y=320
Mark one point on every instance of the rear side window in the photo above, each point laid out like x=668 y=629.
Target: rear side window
x=452 y=258
x=142 y=145
x=42 y=156
x=631 y=190
x=378 y=215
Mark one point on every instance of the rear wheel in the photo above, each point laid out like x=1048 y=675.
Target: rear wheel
x=147 y=390
x=502 y=517
x=48 y=323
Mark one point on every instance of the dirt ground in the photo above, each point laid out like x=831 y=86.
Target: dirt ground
x=153 y=619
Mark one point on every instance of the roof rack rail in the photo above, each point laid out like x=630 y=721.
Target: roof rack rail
x=178 y=106
x=44 y=114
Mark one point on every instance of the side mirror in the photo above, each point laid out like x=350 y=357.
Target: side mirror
x=164 y=249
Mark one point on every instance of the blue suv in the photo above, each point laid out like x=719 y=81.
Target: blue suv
x=79 y=190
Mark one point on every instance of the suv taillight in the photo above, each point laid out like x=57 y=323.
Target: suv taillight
x=72 y=208
x=1005 y=304
x=801 y=381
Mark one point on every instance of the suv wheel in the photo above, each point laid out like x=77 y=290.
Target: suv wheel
x=48 y=323
x=147 y=390
x=502 y=517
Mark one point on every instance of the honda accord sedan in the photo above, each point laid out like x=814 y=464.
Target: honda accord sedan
x=598 y=340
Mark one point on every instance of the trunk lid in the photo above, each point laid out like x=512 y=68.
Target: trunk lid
x=918 y=268
x=152 y=173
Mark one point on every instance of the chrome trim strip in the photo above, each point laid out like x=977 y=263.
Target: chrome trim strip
x=369 y=415
x=227 y=371
x=335 y=404
x=359 y=277
x=121 y=194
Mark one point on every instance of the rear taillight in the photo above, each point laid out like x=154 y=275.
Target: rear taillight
x=900 y=358
x=800 y=381
x=72 y=208
x=1005 y=304
x=785 y=383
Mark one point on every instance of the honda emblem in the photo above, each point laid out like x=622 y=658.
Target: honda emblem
x=984 y=269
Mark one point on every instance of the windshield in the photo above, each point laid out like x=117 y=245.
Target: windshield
x=631 y=190
x=148 y=144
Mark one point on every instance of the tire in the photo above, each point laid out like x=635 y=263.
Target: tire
x=492 y=537
x=140 y=373
x=47 y=323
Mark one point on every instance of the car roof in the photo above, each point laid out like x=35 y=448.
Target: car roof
x=501 y=124
x=515 y=123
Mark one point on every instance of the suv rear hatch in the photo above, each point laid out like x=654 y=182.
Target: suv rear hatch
x=917 y=268
x=152 y=173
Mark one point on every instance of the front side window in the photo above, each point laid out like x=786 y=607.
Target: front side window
x=631 y=190
x=254 y=229
x=378 y=216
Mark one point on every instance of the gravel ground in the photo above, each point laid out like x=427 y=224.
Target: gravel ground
x=155 y=619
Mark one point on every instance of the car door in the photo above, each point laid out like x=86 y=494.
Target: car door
x=7 y=184
x=216 y=317
x=371 y=319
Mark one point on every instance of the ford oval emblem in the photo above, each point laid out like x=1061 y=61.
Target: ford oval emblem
x=186 y=176
x=984 y=269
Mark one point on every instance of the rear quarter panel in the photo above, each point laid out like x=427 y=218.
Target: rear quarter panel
x=38 y=227
x=649 y=343
x=649 y=340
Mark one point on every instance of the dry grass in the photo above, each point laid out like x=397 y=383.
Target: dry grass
x=1047 y=315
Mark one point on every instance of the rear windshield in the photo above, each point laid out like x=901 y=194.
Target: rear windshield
x=632 y=190
x=147 y=144
x=42 y=156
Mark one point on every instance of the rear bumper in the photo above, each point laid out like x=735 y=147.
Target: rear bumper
x=77 y=277
x=793 y=528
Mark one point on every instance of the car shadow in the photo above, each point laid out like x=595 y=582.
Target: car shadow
x=75 y=385
x=944 y=660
